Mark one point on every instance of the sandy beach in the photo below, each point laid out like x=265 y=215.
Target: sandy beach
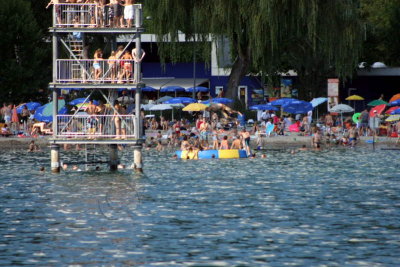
x=276 y=142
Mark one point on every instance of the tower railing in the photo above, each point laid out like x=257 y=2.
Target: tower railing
x=87 y=15
x=96 y=126
x=95 y=71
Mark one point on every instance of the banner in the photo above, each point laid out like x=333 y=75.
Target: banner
x=286 y=87
x=333 y=93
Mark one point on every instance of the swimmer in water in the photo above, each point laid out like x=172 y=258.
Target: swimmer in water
x=33 y=147
x=65 y=167
x=76 y=168
x=303 y=148
x=121 y=166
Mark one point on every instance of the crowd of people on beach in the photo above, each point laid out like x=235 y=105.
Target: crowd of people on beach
x=96 y=13
x=219 y=128
x=14 y=123
x=218 y=132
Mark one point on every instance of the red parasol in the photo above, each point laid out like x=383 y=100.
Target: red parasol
x=377 y=110
x=391 y=109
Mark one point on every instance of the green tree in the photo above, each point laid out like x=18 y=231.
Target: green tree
x=382 y=23
x=22 y=68
x=269 y=36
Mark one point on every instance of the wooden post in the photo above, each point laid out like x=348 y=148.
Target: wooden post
x=113 y=157
x=55 y=158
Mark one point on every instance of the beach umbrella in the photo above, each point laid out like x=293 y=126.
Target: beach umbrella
x=161 y=107
x=163 y=99
x=318 y=101
x=77 y=101
x=172 y=89
x=195 y=107
x=82 y=106
x=147 y=106
x=218 y=100
x=341 y=108
x=395 y=103
x=394 y=98
x=356 y=117
x=148 y=89
x=377 y=102
x=390 y=110
x=395 y=112
x=180 y=100
x=45 y=112
x=197 y=89
x=282 y=101
x=29 y=105
x=297 y=107
x=393 y=118
x=264 y=107
x=377 y=110
x=354 y=98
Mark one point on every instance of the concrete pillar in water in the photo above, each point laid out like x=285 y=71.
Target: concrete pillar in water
x=113 y=157
x=55 y=158
x=137 y=159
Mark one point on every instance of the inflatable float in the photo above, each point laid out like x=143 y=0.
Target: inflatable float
x=212 y=154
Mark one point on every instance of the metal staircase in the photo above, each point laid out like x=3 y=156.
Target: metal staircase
x=76 y=44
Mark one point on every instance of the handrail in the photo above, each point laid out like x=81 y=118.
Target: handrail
x=96 y=126
x=81 y=15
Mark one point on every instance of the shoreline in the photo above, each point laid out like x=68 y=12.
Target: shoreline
x=276 y=142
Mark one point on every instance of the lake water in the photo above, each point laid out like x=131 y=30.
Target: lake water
x=333 y=208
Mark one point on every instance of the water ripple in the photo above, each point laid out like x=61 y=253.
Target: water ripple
x=335 y=208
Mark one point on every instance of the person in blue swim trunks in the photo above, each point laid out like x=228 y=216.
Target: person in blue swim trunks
x=353 y=134
x=203 y=129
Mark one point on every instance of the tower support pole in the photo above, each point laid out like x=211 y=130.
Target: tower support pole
x=137 y=158
x=113 y=157
x=55 y=158
x=137 y=149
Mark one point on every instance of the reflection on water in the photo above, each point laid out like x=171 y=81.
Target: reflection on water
x=330 y=208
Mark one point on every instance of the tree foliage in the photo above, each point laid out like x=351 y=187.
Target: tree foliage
x=382 y=23
x=22 y=71
x=268 y=36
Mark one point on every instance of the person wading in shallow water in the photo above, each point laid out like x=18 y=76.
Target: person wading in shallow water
x=246 y=140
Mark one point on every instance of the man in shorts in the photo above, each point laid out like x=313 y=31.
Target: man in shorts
x=129 y=12
x=203 y=129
